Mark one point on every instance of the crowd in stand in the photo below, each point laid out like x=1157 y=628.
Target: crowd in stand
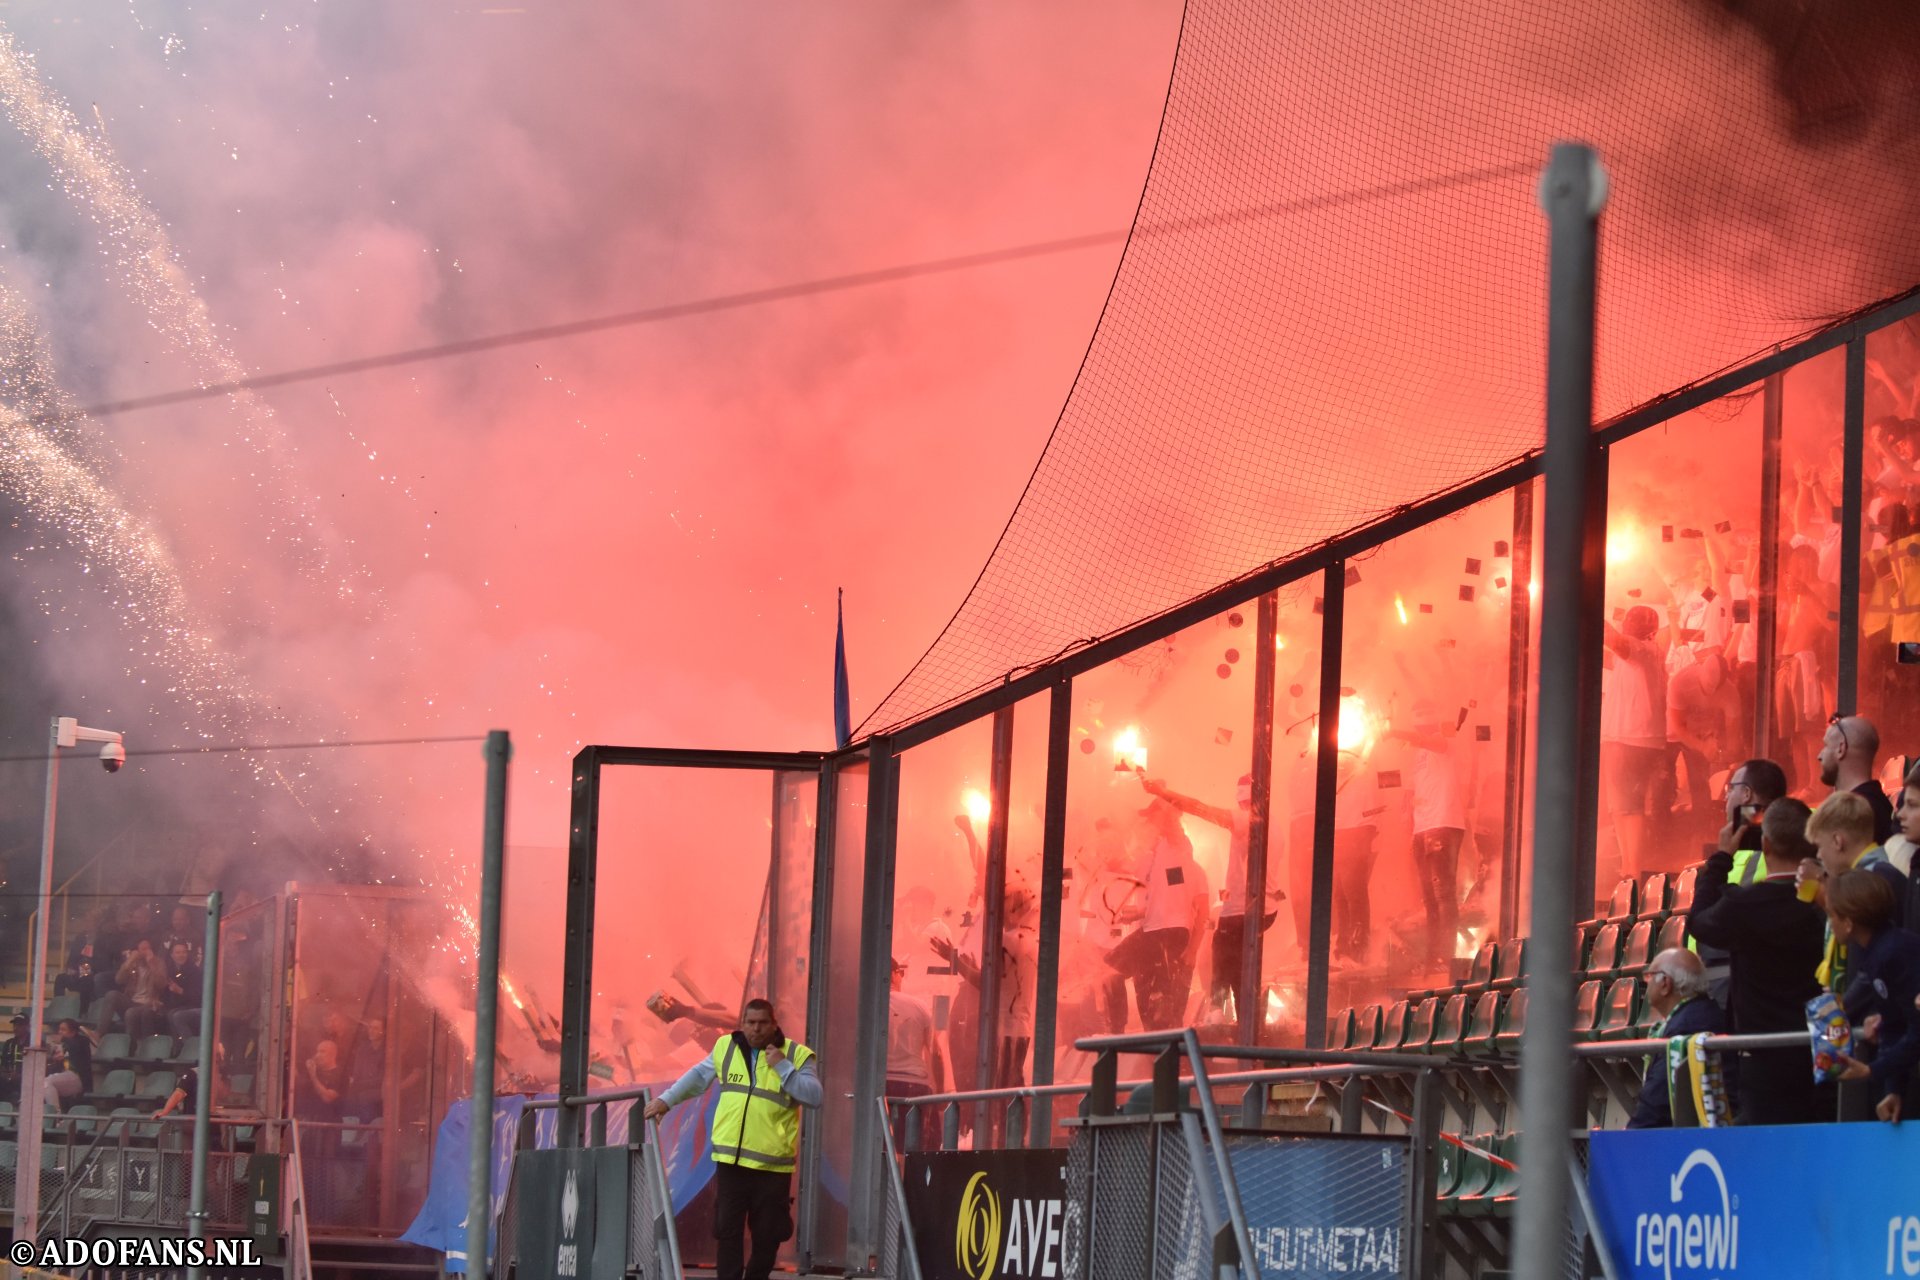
x=1795 y=901
x=135 y=967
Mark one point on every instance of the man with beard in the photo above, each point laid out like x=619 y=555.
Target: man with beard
x=1846 y=764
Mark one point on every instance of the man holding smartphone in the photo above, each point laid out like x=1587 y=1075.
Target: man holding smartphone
x=765 y=1079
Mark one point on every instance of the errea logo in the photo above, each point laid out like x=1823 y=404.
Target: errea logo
x=1691 y=1243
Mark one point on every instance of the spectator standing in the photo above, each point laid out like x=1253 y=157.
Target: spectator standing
x=1751 y=787
x=1439 y=824
x=1677 y=991
x=1703 y=709
x=912 y=1067
x=1841 y=832
x=1774 y=941
x=765 y=1080
x=13 y=1056
x=142 y=977
x=1156 y=954
x=1886 y=961
x=1846 y=764
x=1633 y=730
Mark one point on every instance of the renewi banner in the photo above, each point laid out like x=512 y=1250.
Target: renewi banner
x=1807 y=1201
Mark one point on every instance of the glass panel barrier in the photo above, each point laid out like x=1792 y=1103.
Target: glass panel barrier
x=1889 y=687
x=1680 y=659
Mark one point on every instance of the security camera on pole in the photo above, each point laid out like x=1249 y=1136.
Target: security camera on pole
x=66 y=732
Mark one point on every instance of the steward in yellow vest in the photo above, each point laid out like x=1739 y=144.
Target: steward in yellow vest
x=764 y=1079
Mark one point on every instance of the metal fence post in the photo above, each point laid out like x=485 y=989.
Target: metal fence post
x=203 y=1078
x=487 y=1002
x=1573 y=191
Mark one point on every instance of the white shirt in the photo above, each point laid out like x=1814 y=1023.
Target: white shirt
x=1633 y=696
x=1171 y=878
x=1439 y=793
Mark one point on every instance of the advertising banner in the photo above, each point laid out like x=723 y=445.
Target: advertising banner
x=1323 y=1205
x=984 y=1215
x=1807 y=1201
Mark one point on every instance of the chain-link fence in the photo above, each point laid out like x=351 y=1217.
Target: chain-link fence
x=653 y=1247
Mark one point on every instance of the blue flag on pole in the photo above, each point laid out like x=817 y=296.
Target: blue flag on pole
x=842 y=704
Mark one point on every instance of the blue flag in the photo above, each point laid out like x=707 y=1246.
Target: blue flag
x=842 y=704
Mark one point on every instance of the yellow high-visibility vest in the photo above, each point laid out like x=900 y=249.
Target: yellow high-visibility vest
x=756 y=1125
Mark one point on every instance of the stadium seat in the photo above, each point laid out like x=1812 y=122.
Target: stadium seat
x=1476 y=1171
x=1603 y=956
x=1482 y=1024
x=1619 y=1010
x=158 y=1084
x=7 y=1116
x=1513 y=1024
x=1393 y=1026
x=114 y=1047
x=240 y=1086
x=1503 y=1182
x=1683 y=888
x=1340 y=1030
x=154 y=1049
x=1639 y=948
x=1449 y=1024
x=1623 y=903
x=63 y=1006
x=1673 y=933
x=124 y=1120
x=1510 y=964
x=85 y=1118
x=1420 y=1025
x=100 y=1012
x=1582 y=944
x=1586 y=1007
x=1480 y=976
x=1656 y=895
x=1449 y=1164
x=118 y=1084
x=188 y=1052
x=1366 y=1028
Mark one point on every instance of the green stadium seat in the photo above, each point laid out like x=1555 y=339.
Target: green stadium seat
x=1582 y=944
x=1482 y=1024
x=1420 y=1025
x=1510 y=964
x=1586 y=1007
x=188 y=1052
x=154 y=1049
x=1449 y=1024
x=1476 y=1170
x=1480 y=976
x=1673 y=933
x=1603 y=956
x=1639 y=948
x=1366 y=1028
x=1450 y=1167
x=1513 y=1025
x=100 y=1012
x=1340 y=1030
x=66 y=1005
x=124 y=1121
x=85 y=1118
x=114 y=1047
x=240 y=1086
x=1393 y=1026
x=1618 y=1010
x=158 y=1084
x=8 y=1114
x=1656 y=895
x=118 y=1084
x=1503 y=1183
x=1623 y=903
x=1683 y=888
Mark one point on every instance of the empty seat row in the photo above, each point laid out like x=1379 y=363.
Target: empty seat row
x=116 y=1046
x=1491 y=1023
x=1480 y=1177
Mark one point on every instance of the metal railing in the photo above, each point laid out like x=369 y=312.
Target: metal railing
x=64 y=898
x=299 y=1240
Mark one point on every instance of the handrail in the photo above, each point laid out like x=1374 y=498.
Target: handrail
x=907 y=1250
x=656 y=1173
x=299 y=1248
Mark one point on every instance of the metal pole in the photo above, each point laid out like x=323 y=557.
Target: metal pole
x=993 y=915
x=1764 y=576
x=1326 y=796
x=33 y=1079
x=868 y=1039
x=203 y=1077
x=1053 y=874
x=1247 y=1003
x=819 y=951
x=1853 y=449
x=486 y=1006
x=1519 y=690
x=576 y=995
x=1573 y=191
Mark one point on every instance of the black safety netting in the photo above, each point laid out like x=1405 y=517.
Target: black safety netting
x=1332 y=303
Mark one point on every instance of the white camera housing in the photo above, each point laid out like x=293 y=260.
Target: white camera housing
x=112 y=756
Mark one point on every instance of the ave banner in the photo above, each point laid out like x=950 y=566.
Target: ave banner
x=1807 y=1201
x=985 y=1215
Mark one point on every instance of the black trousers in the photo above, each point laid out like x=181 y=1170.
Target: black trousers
x=749 y=1200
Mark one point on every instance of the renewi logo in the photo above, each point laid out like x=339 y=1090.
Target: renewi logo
x=1691 y=1242
x=976 y=1233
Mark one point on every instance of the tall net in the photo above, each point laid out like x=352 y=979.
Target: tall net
x=1332 y=303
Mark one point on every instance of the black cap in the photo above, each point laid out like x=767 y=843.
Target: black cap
x=20 y=1018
